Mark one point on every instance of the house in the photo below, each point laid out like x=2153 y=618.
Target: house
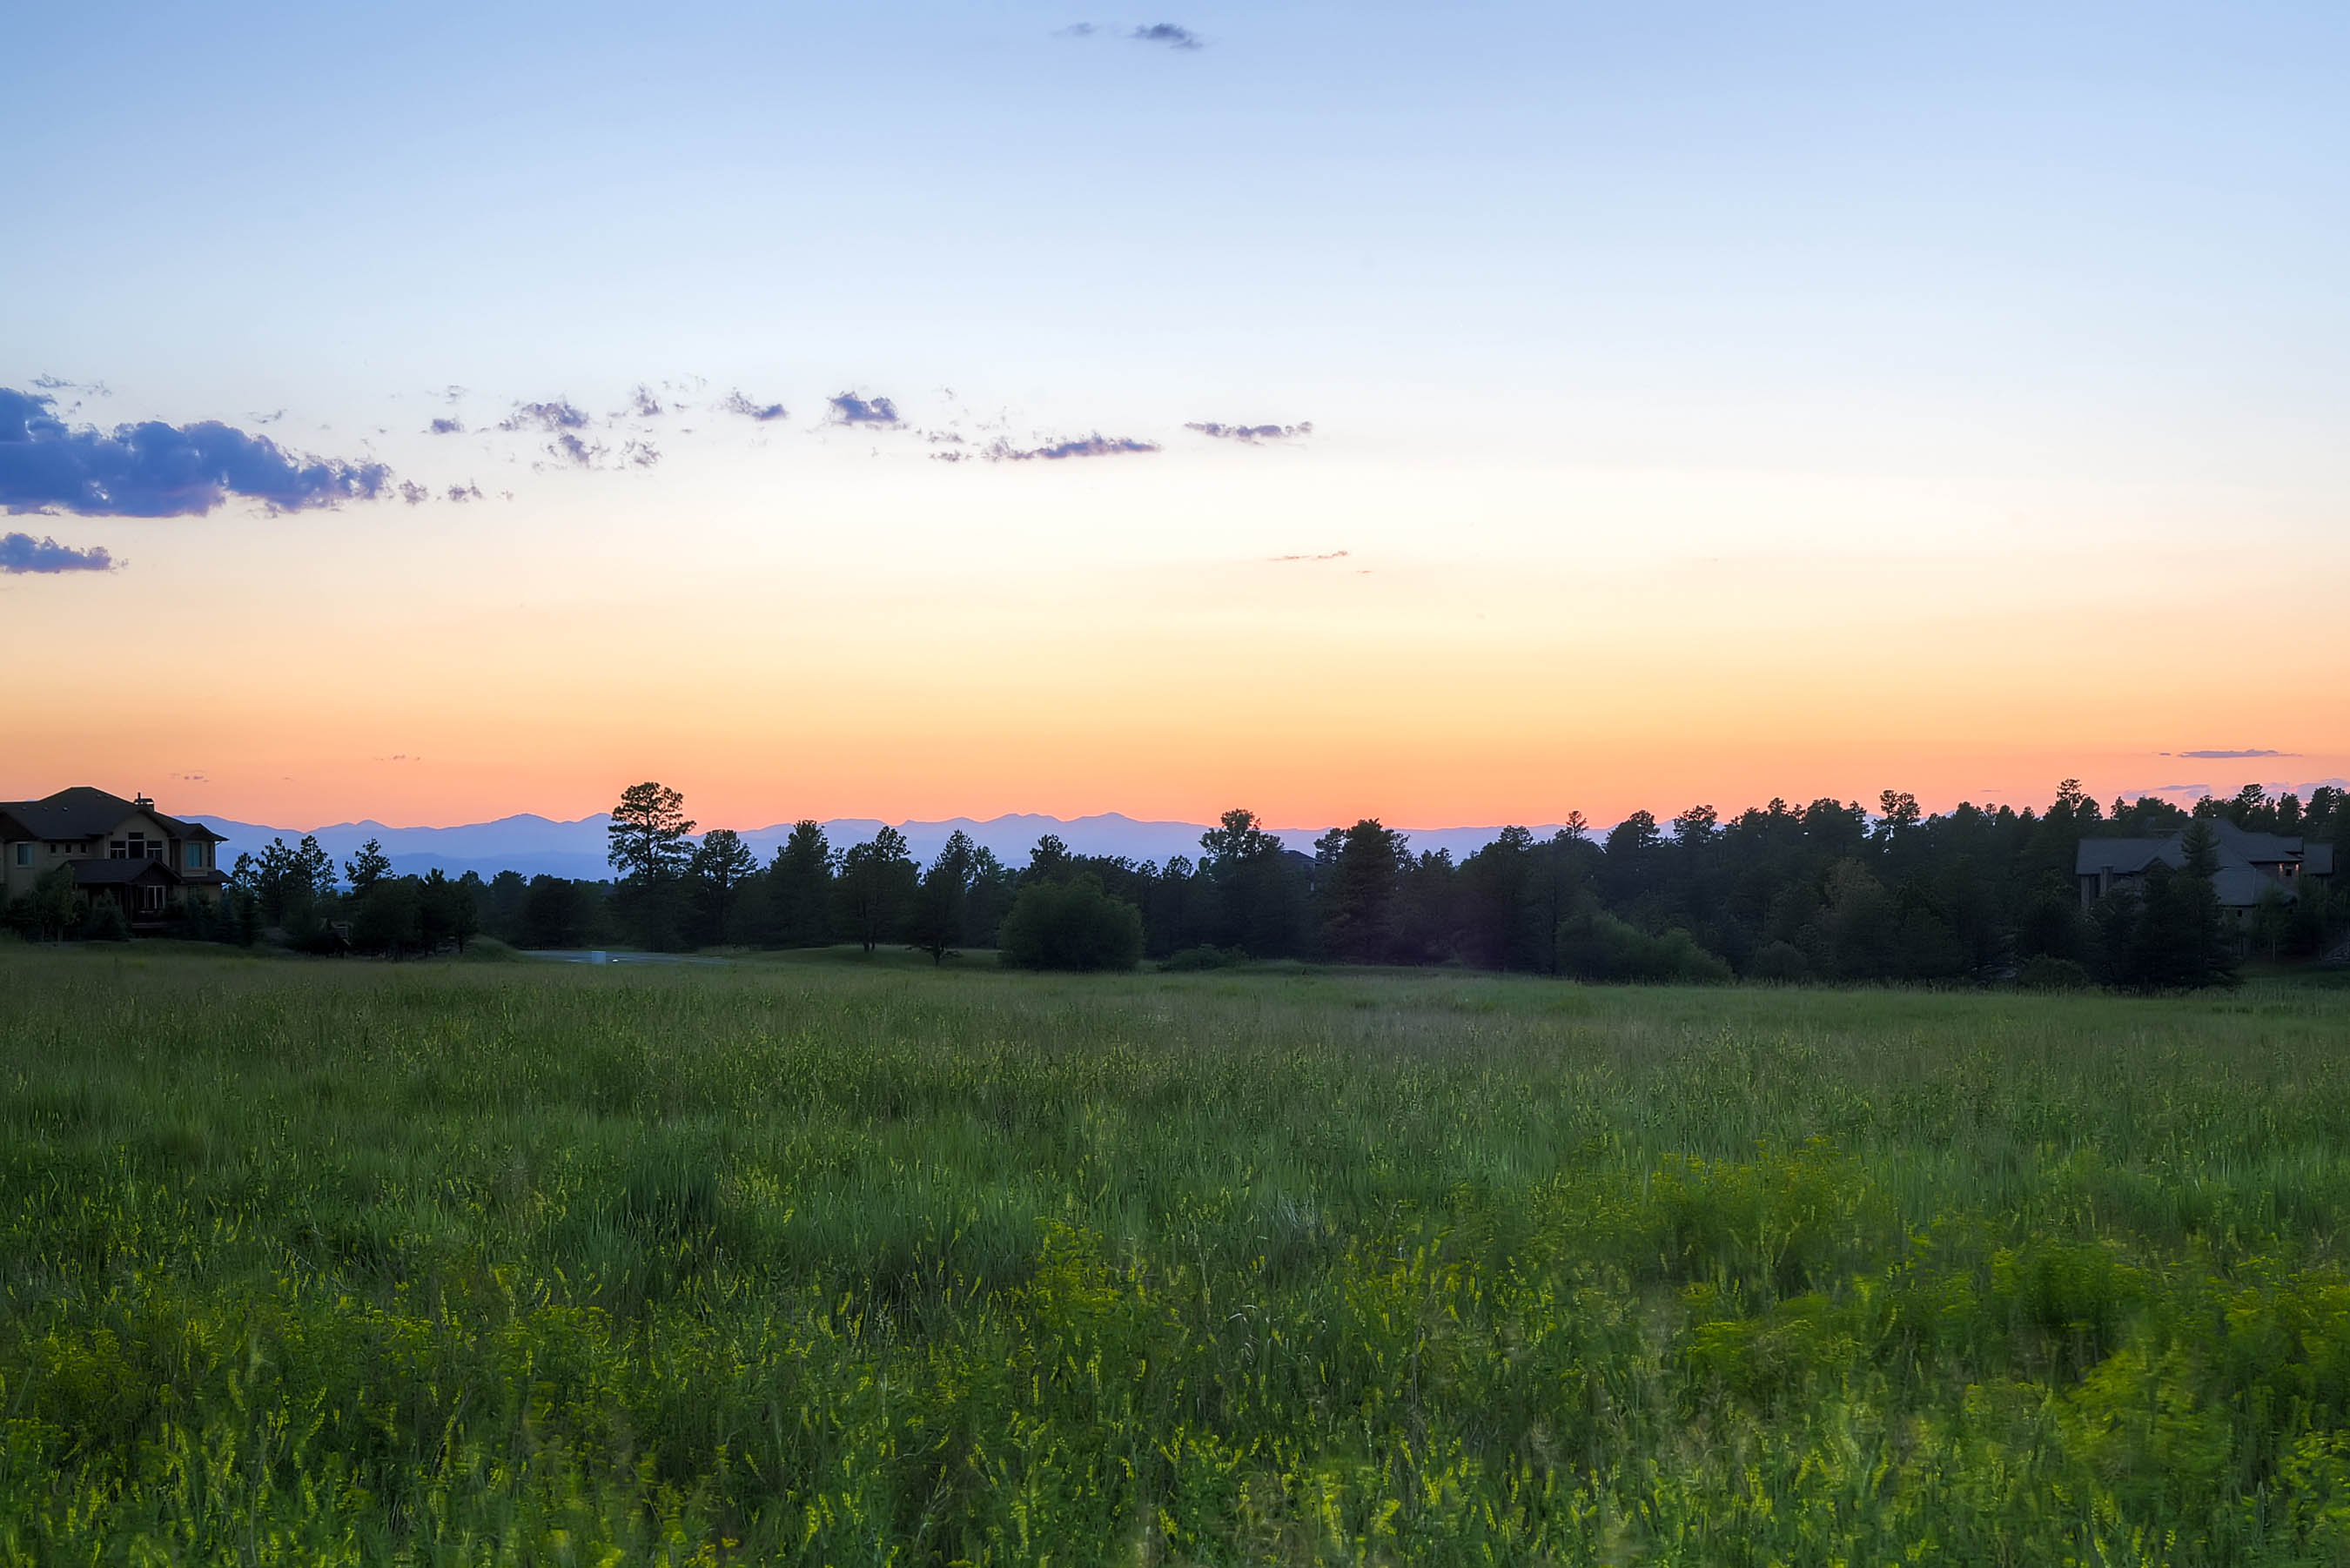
x=120 y=849
x=2249 y=864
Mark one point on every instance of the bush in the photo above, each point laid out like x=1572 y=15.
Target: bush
x=1783 y=961
x=1595 y=945
x=1203 y=957
x=2046 y=973
x=1071 y=925
x=105 y=922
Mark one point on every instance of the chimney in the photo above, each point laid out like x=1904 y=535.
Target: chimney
x=143 y=803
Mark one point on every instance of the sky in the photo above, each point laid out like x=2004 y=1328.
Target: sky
x=1458 y=414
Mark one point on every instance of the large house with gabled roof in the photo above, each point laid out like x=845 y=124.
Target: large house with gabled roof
x=2249 y=864
x=117 y=849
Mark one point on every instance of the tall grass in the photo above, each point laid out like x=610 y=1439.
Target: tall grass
x=316 y=1262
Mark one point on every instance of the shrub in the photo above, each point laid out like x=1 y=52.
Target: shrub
x=106 y=922
x=1071 y=925
x=1782 y=962
x=1204 y=956
x=1597 y=946
x=2045 y=972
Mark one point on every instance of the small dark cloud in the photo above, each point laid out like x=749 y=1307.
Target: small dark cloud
x=270 y=417
x=59 y=384
x=568 y=448
x=413 y=494
x=192 y=778
x=1077 y=30
x=558 y=415
x=446 y=427
x=464 y=493
x=848 y=409
x=1166 y=33
x=643 y=404
x=1252 y=434
x=1095 y=445
x=949 y=456
x=734 y=402
x=21 y=553
x=156 y=470
x=2231 y=756
x=943 y=437
x=455 y=394
x=1332 y=556
x=639 y=454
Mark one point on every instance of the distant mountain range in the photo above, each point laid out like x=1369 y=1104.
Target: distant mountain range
x=533 y=844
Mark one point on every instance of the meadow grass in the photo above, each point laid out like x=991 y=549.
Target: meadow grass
x=846 y=1264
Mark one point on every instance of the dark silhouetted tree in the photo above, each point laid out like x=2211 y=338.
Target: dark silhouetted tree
x=876 y=889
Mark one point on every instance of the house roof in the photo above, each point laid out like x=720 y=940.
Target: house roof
x=2126 y=856
x=2237 y=878
x=119 y=873
x=83 y=811
x=2260 y=848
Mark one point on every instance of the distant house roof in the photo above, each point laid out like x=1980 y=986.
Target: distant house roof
x=120 y=873
x=2126 y=856
x=2238 y=880
x=83 y=811
x=2260 y=848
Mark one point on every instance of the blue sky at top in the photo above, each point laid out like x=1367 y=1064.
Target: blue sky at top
x=1678 y=235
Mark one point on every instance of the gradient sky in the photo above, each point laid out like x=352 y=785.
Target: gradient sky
x=1705 y=405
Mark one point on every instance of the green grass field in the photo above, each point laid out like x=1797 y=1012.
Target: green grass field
x=821 y=1263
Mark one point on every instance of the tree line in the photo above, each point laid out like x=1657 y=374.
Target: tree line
x=1831 y=890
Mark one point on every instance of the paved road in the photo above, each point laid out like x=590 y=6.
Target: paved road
x=599 y=955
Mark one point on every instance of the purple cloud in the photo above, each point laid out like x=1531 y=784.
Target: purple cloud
x=1093 y=445
x=552 y=417
x=1252 y=434
x=156 y=470
x=848 y=409
x=21 y=553
x=1166 y=33
x=734 y=402
x=447 y=427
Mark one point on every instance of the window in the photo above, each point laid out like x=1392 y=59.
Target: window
x=23 y=855
x=195 y=856
x=118 y=850
x=150 y=900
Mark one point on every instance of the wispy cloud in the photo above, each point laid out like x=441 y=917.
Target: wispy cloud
x=463 y=493
x=734 y=402
x=1093 y=445
x=1330 y=556
x=568 y=448
x=2231 y=756
x=21 y=553
x=1166 y=33
x=642 y=404
x=558 y=415
x=1253 y=434
x=59 y=384
x=848 y=409
x=413 y=494
x=156 y=470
